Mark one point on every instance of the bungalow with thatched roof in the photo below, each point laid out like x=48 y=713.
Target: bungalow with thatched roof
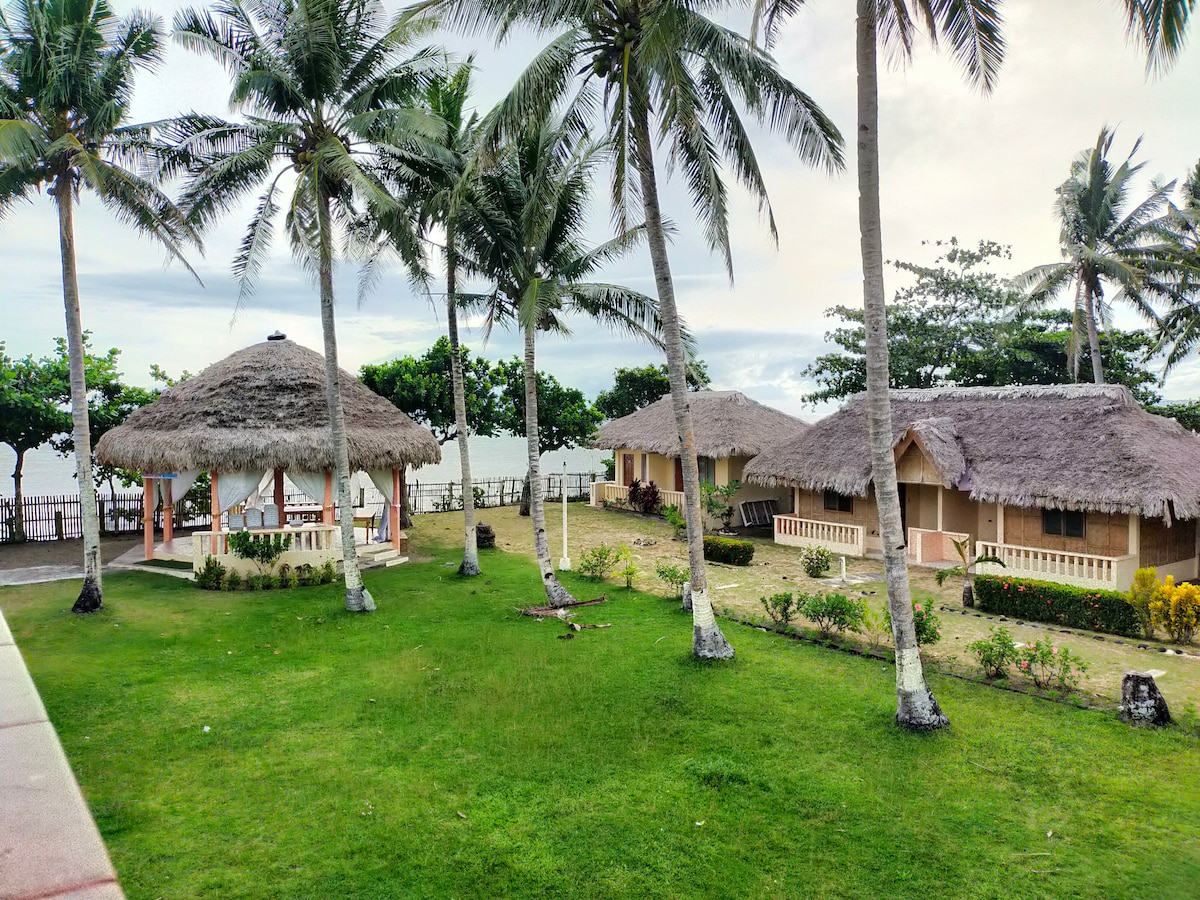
x=730 y=428
x=1069 y=483
x=258 y=412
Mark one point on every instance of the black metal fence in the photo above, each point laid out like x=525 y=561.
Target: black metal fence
x=57 y=518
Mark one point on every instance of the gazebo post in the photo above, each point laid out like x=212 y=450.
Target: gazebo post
x=216 y=512
x=147 y=518
x=168 y=510
x=279 y=496
x=327 y=505
x=394 y=510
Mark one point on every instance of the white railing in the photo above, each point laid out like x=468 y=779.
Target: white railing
x=925 y=545
x=618 y=494
x=311 y=544
x=796 y=532
x=1079 y=569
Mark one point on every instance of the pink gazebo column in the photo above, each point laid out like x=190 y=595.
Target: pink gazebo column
x=168 y=510
x=148 y=518
x=394 y=510
x=327 y=506
x=279 y=496
x=216 y=512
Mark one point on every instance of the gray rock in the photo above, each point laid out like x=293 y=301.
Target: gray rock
x=1141 y=701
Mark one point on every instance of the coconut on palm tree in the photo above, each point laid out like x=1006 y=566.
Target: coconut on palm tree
x=323 y=86
x=972 y=30
x=1106 y=239
x=524 y=232
x=659 y=73
x=66 y=81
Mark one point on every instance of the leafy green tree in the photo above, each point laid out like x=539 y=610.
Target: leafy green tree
x=1186 y=412
x=565 y=419
x=67 y=70
x=525 y=235
x=635 y=388
x=30 y=414
x=420 y=386
x=659 y=74
x=324 y=86
x=972 y=29
x=1106 y=239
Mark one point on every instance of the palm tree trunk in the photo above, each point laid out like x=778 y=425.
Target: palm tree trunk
x=708 y=641
x=17 y=531
x=916 y=707
x=91 y=595
x=358 y=598
x=470 y=563
x=555 y=592
x=1094 y=339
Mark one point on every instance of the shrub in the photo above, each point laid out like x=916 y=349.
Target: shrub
x=211 y=575
x=263 y=550
x=289 y=581
x=629 y=571
x=1059 y=604
x=728 y=550
x=645 y=496
x=780 y=607
x=995 y=653
x=1176 y=609
x=673 y=575
x=254 y=582
x=597 y=563
x=716 y=501
x=233 y=582
x=875 y=627
x=815 y=561
x=674 y=516
x=833 y=612
x=306 y=575
x=634 y=496
x=327 y=574
x=1141 y=594
x=1047 y=665
x=927 y=626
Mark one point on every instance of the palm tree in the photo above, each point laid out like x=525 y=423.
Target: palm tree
x=664 y=71
x=972 y=28
x=1103 y=240
x=524 y=234
x=322 y=85
x=1160 y=27
x=966 y=570
x=66 y=81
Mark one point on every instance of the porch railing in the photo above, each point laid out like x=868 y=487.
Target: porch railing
x=1080 y=569
x=619 y=494
x=796 y=532
x=312 y=544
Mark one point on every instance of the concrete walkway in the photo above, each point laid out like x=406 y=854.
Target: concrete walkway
x=39 y=574
x=50 y=848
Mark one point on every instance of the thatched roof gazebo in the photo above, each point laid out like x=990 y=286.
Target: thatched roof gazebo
x=725 y=423
x=1073 y=446
x=264 y=409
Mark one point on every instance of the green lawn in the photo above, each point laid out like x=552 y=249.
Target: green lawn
x=447 y=747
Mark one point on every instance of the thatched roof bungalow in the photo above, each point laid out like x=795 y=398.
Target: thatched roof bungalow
x=1075 y=483
x=730 y=428
x=263 y=409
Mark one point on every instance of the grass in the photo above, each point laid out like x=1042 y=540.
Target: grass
x=447 y=747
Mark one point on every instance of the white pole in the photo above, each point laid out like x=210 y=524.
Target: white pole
x=564 y=564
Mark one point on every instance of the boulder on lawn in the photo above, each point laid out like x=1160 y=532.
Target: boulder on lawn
x=1141 y=701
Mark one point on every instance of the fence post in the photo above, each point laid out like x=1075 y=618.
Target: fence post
x=58 y=525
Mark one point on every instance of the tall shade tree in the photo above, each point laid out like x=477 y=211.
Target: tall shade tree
x=1179 y=326
x=67 y=70
x=972 y=29
x=322 y=86
x=659 y=73
x=1107 y=239
x=525 y=235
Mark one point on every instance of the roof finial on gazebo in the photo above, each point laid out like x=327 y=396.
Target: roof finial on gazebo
x=277 y=335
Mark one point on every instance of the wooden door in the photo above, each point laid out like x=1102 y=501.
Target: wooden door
x=678 y=473
x=627 y=469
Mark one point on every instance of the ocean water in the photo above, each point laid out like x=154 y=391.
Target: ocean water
x=45 y=472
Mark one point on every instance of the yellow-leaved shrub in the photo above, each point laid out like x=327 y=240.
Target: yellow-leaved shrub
x=1141 y=594
x=1176 y=609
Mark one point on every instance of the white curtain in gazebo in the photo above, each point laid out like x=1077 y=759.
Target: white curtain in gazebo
x=180 y=485
x=312 y=483
x=382 y=479
x=234 y=487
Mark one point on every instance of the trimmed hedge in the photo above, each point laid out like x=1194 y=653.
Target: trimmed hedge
x=1057 y=604
x=728 y=550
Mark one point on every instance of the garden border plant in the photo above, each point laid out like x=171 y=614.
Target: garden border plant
x=1057 y=604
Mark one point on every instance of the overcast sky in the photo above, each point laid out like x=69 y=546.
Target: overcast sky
x=954 y=164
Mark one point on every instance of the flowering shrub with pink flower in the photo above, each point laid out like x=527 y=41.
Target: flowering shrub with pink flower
x=1051 y=666
x=1059 y=604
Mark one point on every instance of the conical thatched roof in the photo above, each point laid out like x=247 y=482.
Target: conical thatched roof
x=264 y=408
x=726 y=423
x=1080 y=446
